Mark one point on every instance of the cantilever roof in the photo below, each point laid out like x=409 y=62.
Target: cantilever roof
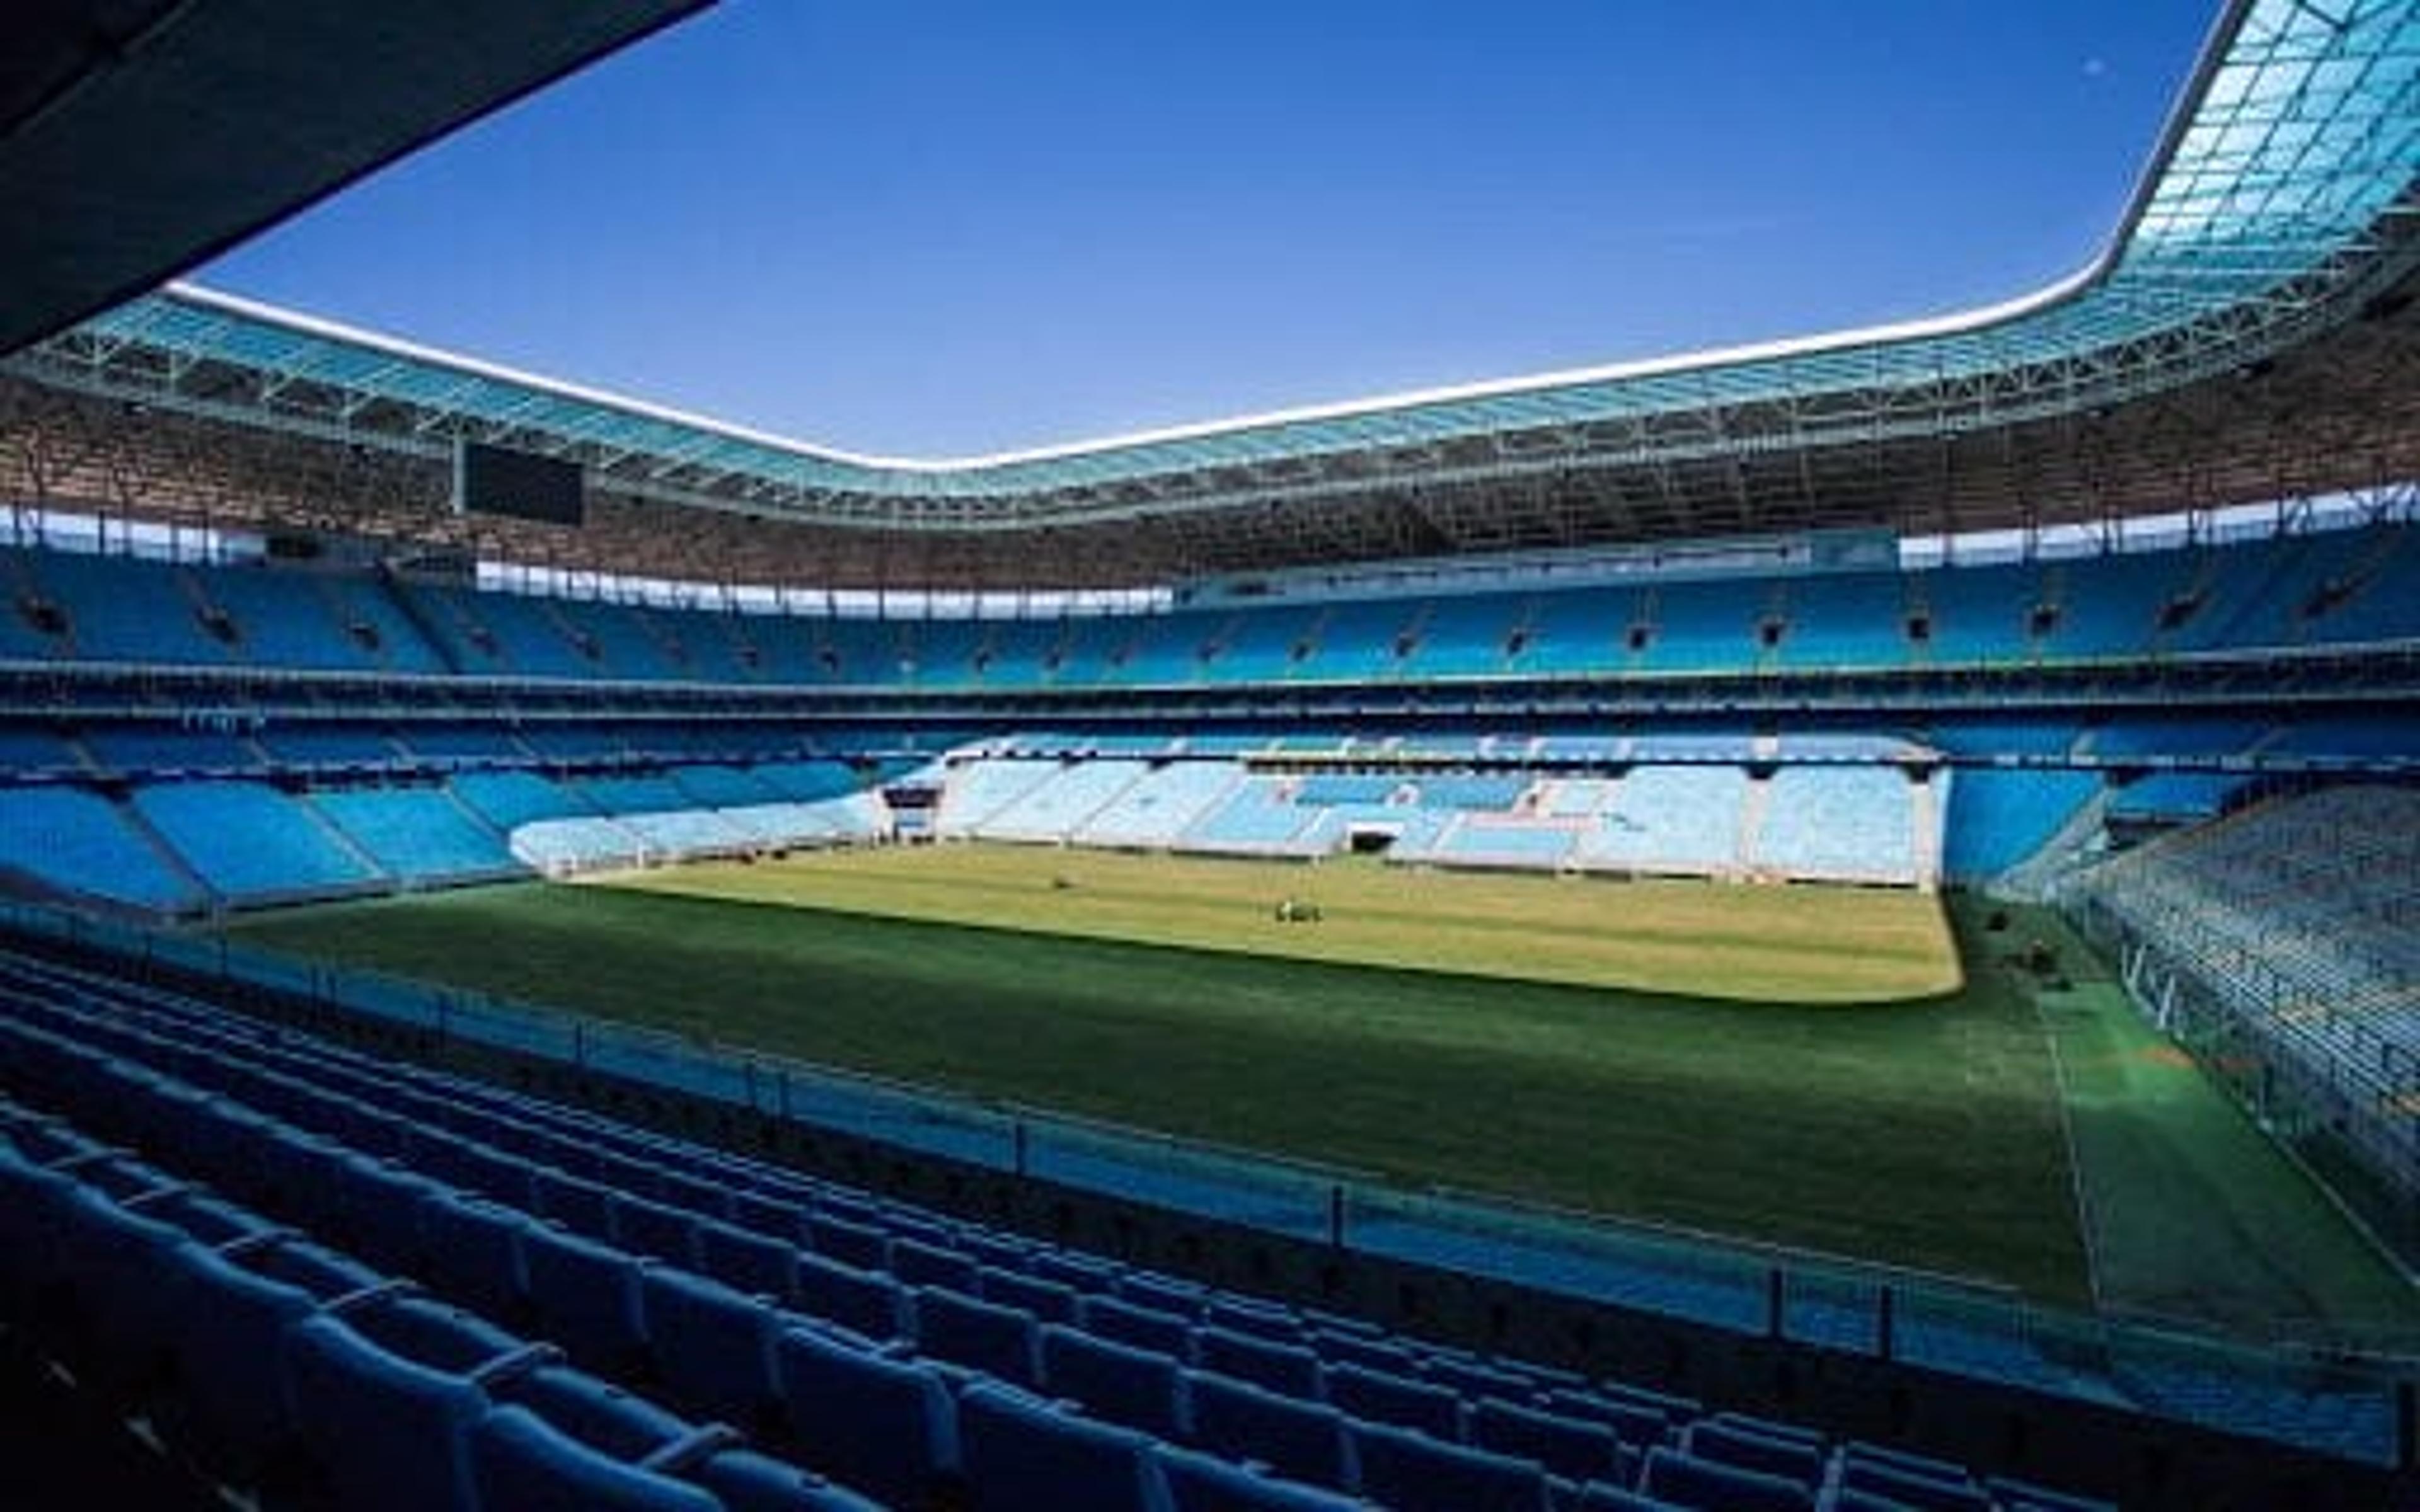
x=2282 y=192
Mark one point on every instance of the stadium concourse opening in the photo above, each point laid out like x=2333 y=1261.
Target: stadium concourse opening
x=1821 y=925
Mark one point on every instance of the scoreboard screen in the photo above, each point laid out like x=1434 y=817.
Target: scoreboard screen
x=493 y=480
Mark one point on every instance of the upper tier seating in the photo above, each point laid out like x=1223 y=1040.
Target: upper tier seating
x=2330 y=588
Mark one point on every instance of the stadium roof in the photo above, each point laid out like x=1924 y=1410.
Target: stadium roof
x=2178 y=368
x=138 y=137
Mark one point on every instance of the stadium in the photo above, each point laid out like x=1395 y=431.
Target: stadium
x=1830 y=924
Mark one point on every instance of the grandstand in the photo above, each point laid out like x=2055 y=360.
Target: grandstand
x=1942 y=606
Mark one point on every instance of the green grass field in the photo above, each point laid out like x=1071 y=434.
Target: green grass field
x=1830 y=1077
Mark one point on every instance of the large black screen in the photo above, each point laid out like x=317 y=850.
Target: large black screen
x=491 y=480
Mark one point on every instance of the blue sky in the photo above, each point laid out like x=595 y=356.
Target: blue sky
x=938 y=227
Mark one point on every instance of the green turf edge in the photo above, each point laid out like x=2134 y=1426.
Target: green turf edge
x=1921 y=1134
x=2189 y=1209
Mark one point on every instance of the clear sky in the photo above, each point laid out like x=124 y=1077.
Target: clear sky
x=939 y=228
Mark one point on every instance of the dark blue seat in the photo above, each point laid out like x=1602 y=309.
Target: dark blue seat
x=1730 y=1441
x=471 y=1250
x=883 y=1425
x=712 y=1346
x=585 y=1296
x=747 y=1260
x=1146 y=1289
x=1302 y=1440
x=1414 y=1473
x=522 y=1463
x=744 y=1481
x=1145 y=1328
x=850 y=1242
x=1567 y=1446
x=1050 y=1302
x=916 y=1263
x=976 y=1334
x=1114 y=1382
x=866 y=1303
x=1946 y=1490
x=227 y=1344
x=655 y=1229
x=577 y=1203
x=1378 y=1396
x=1206 y=1483
x=384 y=1209
x=1477 y=1378
x=1290 y=1369
x=597 y=1413
x=1711 y=1486
x=1640 y=1423
x=1024 y=1455
x=386 y=1433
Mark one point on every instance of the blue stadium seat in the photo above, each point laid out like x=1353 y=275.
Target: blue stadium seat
x=866 y=1303
x=1377 y=1396
x=711 y=1347
x=1145 y=1328
x=1711 y=1486
x=1757 y=1446
x=1026 y=1454
x=1414 y=1473
x=1051 y=1302
x=389 y=1435
x=1570 y=1447
x=744 y=1481
x=747 y=1260
x=1302 y=1440
x=882 y=1425
x=655 y=1229
x=585 y=1296
x=915 y=1263
x=851 y=1244
x=975 y=1335
x=1206 y=1483
x=472 y=1248
x=522 y=1463
x=1290 y=1369
x=228 y=1346
x=1115 y=1382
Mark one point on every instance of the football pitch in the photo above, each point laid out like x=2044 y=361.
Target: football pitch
x=1849 y=1070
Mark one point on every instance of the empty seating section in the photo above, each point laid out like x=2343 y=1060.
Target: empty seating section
x=1054 y=808
x=155 y=750
x=418 y=834
x=978 y=791
x=1683 y=820
x=1158 y=805
x=1257 y=817
x=1854 y=824
x=76 y=842
x=1999 y=817
x=251 y=842
x=508 y=800
x=411 y=1257
x=2330 y=588
x=2298 y=917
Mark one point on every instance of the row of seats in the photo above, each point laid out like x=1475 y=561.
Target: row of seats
x=2328 y=589
x=900 y=1353
x=282 y=1364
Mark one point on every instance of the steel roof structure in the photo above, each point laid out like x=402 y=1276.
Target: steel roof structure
x=2246 y=335
x=138 y=137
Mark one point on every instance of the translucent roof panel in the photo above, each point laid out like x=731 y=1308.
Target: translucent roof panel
x=2298 y=142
